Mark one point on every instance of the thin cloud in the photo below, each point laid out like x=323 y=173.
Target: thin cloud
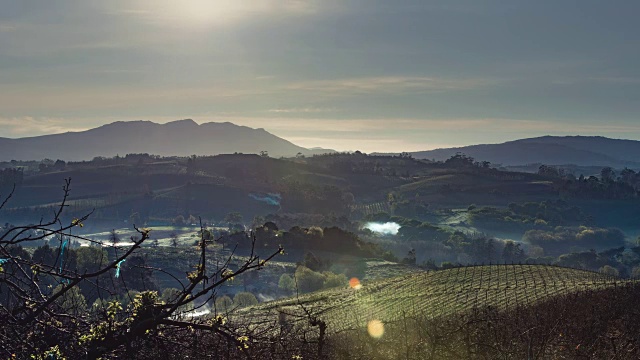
x=616 y=80
x=212 y=12
x=354 y=125
x=306 y=110
x=389 y=84
x=366 y=145
x=31 y=126
x=7 y=28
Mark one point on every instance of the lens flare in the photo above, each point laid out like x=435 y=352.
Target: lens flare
x=375 y=328
x=354 y=283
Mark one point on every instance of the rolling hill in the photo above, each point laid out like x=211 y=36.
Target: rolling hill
x=177 y=138
x=549 y=150
x=436 y=294
x=450 y=314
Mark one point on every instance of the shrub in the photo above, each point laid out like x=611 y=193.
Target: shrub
x=334 y=280
x=223 y=303
x=243 y=299
x=286 y=283
x=609 y=270
x=308 y=280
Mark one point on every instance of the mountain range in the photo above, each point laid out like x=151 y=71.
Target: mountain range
x=179 y=138
x=549 y=150
x=186 y=137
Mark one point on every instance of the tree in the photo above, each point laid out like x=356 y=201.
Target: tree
x=308 y=280
x=334 y=280
x=171 y=295
x=550 y=171
x=114 y=238
x=312 y=262
x=512 y=253
x=609 y=271
x=59 y=164
x=179 y=221
x=411 y=258
x=607 y=174
x=72 y=301
x=244 y=299
x=173 y=238
x=91 y=259
x=233 y=218
x=131 y=325
x=223 y=304
x=286 y=283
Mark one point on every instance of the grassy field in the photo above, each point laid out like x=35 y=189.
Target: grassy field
x=438 y=294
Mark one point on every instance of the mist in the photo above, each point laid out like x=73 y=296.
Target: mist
x=388 y=228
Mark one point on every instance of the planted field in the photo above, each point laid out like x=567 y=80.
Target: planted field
x=439 y=294
x=374 y=208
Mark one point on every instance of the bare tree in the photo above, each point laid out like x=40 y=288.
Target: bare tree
x=174 y=239
x=114 y=238
x=42 y=309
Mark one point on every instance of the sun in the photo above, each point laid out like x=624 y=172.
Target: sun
x=202 y=13
x=210 y=12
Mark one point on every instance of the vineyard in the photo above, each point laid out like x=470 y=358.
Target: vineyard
x=373 y=208
x=437 y=294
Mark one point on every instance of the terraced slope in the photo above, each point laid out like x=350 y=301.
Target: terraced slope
x=437 y=294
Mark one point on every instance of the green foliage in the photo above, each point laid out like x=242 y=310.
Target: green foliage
x=609 y=270
x=144 y=305
x=512 y=253
x=447 y=265
x=561 y=240
x=72 y=301
x=332 y=239
x=244 y=299
x=286 y=283
x=53 y=353
x=308 y=280
x=179 y=221
x=334 y=280
x=91 y=258
x=223 y=303
x=527 y=215
x=99 y=306
x=233 y=218
x=171 y=295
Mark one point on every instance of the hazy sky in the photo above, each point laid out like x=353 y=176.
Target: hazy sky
x=373 y=75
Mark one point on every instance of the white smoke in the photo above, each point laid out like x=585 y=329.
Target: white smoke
x=388 y=228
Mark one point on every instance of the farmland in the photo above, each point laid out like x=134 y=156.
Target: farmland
x=443 y=293
x=475 y=312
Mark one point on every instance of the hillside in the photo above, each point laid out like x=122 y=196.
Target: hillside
x=177 y=138
x=441 y=293
x=549 y=150
x=480 y=312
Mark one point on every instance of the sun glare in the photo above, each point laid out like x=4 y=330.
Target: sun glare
x=375 y=328
x=202 y=13
x=205 y=12
x=354 y=283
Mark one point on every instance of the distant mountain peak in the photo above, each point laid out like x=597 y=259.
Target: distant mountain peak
x=182 y=122
x=549 y=150
x=175 y=138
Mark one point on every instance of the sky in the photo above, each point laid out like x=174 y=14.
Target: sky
x=372 y=75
